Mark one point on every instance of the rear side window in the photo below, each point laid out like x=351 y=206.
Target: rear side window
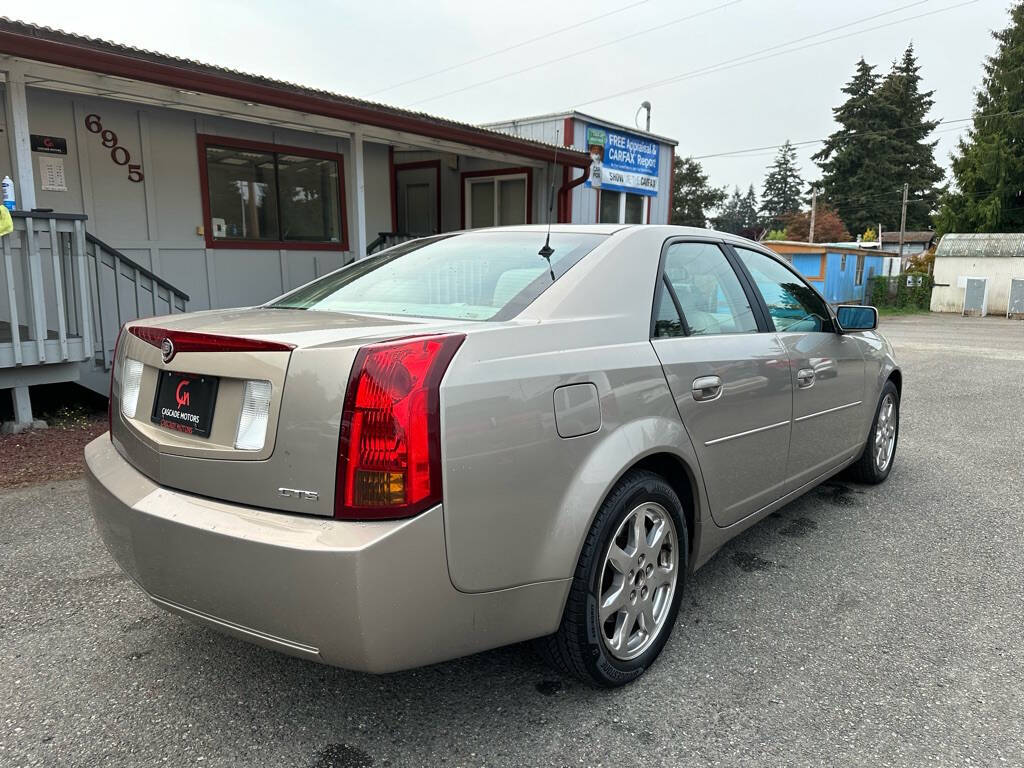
x=471 y=276
x=700 y=294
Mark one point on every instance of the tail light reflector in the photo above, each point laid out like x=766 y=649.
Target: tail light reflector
x=131 y=382
x=389 y=453
x=252 y=424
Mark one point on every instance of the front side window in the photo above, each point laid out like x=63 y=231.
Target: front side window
x=259 y=195
x=472 y=276
x=497 y=201
x=700 y=294
x=793 y=305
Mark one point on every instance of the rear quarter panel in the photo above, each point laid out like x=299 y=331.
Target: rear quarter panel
x=518 y=498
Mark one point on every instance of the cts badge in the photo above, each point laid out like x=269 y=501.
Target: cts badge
x=167 y=349
x=298 y=493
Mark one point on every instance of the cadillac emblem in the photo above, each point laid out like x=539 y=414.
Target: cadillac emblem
x=167 y=350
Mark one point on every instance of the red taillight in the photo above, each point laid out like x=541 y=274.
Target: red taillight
x=188 y=341
x=389 y=454
x=110 y=395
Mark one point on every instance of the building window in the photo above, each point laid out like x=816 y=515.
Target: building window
x=268 y=196
x=842 y=262
x=497 y=198
x=621 y=208
x=859 y=279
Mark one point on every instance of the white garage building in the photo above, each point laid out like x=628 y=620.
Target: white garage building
x=996 y=259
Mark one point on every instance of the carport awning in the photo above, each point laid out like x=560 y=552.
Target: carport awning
x=61 y=48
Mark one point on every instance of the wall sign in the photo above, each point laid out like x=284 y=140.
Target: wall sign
x=51 y=145
x=118 y=154
x=622 y=162
x=51 y=174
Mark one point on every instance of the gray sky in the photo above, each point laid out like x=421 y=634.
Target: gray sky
x=361 y=48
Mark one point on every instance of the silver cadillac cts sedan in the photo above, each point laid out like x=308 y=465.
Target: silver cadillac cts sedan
x=481 y=438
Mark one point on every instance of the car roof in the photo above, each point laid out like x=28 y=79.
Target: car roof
x=669 y=230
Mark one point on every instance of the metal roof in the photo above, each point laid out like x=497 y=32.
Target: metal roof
x=920 y=236
x=1005 y=245
x=579 y=116
x=56 y=46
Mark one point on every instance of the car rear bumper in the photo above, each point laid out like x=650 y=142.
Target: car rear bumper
x=374 y=596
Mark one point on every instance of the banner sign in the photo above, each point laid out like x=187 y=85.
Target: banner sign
x=622 y=162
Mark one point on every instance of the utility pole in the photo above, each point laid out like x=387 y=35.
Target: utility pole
x=903 y=223
x=814 y=206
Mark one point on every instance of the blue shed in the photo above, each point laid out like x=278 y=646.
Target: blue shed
x=839 y=272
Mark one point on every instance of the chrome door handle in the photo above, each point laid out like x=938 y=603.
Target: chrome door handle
x=805 y=378
x=706 y=388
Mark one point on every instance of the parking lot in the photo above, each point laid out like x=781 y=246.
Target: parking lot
x=874 y=626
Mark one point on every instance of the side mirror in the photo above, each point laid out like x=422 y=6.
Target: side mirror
x=853 y=317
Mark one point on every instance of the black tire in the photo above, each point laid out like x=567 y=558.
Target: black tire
x=578 y=648
x=865 y=469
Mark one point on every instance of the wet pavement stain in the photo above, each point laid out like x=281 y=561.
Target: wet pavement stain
x=839 y=494
x=750 y=562
x=549 y=687
x=342 y=756
x=799 y=528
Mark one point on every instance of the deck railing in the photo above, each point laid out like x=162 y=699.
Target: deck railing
x=123 y=290
x=44 y=291
x=64 y=294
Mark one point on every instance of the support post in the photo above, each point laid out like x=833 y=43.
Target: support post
x=16 y=103
x=360 y=185
x=22 y=405
x=814 y=210
x=903 y=223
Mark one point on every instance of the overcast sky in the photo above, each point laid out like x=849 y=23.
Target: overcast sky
x=362 y=48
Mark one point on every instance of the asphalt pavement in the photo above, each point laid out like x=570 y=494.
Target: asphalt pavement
x=857 y=626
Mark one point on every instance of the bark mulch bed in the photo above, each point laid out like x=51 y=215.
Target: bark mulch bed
x=44 y=455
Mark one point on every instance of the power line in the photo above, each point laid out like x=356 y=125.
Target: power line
x=513 y=47
x=662 y=25
x=746 y=59
x=753 y=150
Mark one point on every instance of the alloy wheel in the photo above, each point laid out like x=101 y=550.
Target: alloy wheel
x=638 y=581
x=885 y=433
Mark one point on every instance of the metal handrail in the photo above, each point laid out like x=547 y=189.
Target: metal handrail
x=135 y=265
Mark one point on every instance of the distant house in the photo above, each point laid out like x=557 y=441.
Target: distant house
x=839 y=272
x=997 y=258
x=913 y=242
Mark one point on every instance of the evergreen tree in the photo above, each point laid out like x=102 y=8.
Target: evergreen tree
x=730 y=216
x=692 y=196
x=988 y=166
x=748 y=211
x=781 y=193
x=880 y=145
x=905 y=108
x=854 y=161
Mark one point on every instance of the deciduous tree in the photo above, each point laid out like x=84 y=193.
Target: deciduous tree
x=692 y=196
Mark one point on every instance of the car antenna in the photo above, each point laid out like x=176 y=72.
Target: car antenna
x=546 y=250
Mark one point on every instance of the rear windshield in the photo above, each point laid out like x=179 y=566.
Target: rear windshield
x=472 y=276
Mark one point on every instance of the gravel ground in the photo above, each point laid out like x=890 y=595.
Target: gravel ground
x=858 y=626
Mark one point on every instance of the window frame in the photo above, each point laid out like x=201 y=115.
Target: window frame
x=770 y=323
x=470 y=177
x=204 y=140
x=753 y=296
x=645 y=211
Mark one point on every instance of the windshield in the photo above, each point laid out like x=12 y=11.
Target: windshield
x=473 y=276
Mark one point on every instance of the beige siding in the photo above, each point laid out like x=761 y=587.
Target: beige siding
x=999 y=271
